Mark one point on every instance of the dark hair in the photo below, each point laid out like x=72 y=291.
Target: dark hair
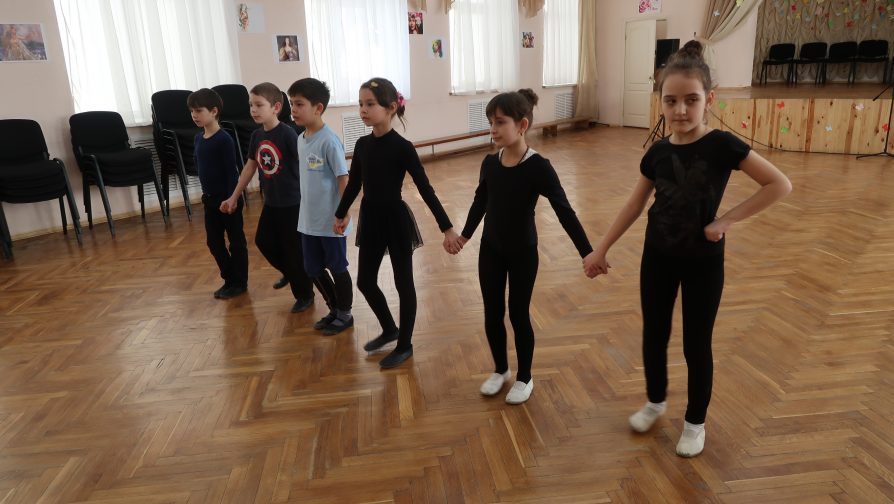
x=386 y=94
x=690 y=62
x=515 y=104
x=315 y=91
x=205 y=98
x=269 y=92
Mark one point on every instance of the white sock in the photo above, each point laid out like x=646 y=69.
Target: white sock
x=694 y=428
x=658 y=408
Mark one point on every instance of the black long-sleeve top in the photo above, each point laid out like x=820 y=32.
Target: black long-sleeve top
x=379 y=166
x=508 y=196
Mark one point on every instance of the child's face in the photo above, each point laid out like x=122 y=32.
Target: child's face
x=202 y=116
x=684 y=102
x=370 y=111
x=303 y=113
x=261 y=109
x=504 y=130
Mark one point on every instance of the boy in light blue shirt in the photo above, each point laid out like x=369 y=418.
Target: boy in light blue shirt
x=324 y=175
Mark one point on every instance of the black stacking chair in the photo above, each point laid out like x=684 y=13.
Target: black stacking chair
x=236 y=115
x=28 y=175
x=174 y=133
x=106 y=159
x=872 y=51
x=780 y=54
x=811 y=53
x=841 y=53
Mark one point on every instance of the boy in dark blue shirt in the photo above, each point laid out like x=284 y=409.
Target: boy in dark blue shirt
x=215 y=153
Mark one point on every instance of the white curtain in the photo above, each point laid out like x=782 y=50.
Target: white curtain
x=119 y=52
x=352 y=41
x=561 y=31
x=486 y=40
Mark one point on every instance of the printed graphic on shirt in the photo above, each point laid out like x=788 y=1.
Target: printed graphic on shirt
x=268 y=158
x=315 y=162
x=680 y=217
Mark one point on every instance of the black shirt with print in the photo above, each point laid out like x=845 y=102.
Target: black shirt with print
x=689 y=183
x=276 y=152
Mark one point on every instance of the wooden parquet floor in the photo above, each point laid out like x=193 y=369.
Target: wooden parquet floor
x=123 y=380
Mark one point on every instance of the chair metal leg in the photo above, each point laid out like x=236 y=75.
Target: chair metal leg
x=181 y=173
x=88 y=203
x=105 y=202
x=72 y=206
x=64 y=218
x=162 y=201
x=5 y=237
x=142 y=203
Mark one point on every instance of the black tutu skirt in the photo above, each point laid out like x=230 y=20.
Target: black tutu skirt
x=389 y=225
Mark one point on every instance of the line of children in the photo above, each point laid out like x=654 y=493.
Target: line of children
x=687 y=173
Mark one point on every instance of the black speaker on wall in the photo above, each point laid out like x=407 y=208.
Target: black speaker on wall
x=663 y=50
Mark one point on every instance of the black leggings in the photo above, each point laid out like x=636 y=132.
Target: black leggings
x=369 y=260
x=520 y=268
x=701 y=279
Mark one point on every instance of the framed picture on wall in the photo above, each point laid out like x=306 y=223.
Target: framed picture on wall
x=250 y=17
x=22 y=42
x=287 y=50
x=437 y=48
x=649 y=6
x=414 y=23
x=527 y=40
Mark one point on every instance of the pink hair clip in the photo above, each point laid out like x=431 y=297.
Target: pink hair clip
x=401 y=102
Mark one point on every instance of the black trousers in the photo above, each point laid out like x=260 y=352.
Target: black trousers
x=369 y=260
x=280 y=243
x=701 y=280
x=519 y=267
x=233 y=263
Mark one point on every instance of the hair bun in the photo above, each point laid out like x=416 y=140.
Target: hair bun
x=693 y=49
x=529 y=95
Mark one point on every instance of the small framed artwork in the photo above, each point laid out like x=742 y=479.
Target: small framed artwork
x=414 y=23
x=649 y=6
x=22 y=42
x=437 y=48
x=250 y=17
x=528 y=40
x=287 y=50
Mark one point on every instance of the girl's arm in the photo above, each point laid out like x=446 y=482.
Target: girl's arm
x=595 y=263
x=476 y=211
x=774 y=186
x=414 y=167
x=551 y=188
x=350 y=191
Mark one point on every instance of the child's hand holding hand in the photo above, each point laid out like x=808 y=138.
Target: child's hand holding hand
x=595 y=264
x=228 y=205
x=715 y=231
x=341 y=224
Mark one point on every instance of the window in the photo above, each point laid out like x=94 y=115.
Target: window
x=351 y=41
x=485 y=39
x=561 y=46
x=119 y=52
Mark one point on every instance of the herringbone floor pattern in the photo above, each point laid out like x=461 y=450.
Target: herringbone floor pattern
x=123 y=380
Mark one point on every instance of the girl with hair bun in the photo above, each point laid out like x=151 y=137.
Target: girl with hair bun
x=510 y=183
x=684 y=244
x=386 y=225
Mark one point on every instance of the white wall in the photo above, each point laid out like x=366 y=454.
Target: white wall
x=732 y=56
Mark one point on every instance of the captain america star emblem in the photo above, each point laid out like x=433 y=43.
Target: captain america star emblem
x=268 y=158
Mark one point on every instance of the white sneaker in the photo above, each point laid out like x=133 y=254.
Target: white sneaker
x=691 y=443
x=520 y=392
x=492 y=385
x=645 y=418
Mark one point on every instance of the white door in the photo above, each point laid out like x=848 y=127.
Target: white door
x=639 y=69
